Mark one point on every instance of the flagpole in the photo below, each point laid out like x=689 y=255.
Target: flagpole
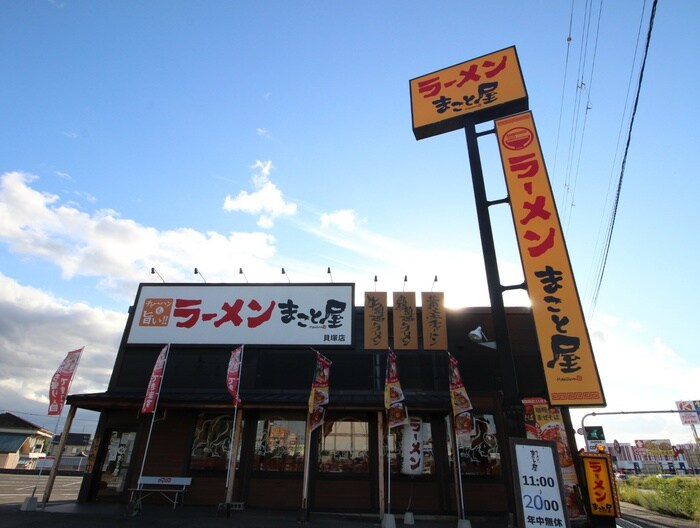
x=314 y=419
x=38 y=476
x=388 y=471
x=304 y=513
x=57 y=461
x=233 y=450
x=153 y=417
x=458 y=466
x=388 y=521
x=236 y=434
x=457 y=386
x=49 y=484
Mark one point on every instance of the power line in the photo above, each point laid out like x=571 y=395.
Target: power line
x=563 y=88
x=618 y=144
x=611 y=227
x=587 y=88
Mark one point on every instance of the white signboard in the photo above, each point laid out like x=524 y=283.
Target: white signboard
x=412 y=447
x=692 y=417
x=538 y=487
x=259 y=314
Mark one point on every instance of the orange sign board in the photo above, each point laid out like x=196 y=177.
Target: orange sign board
x=405 y=321
x=602 y=492
x=569 y=365
x=376 y=321
x=434 y=320
x=482 y=89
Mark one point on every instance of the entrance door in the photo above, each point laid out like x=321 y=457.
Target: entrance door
x=343 y=469
x=420 y=473
x=115 y=464
x=274 y=442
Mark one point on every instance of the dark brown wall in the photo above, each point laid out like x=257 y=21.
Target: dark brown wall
x=202 y=370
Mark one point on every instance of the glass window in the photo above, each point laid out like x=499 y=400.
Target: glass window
x=212 y=442
x=279 y=443
x=116 y=462
x=478 y=450
x=409 y=448
x=343 y=446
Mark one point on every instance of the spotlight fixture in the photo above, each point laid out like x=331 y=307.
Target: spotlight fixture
x=240 y=272
x=154 y=272
x=285 y=274
x=478 y=336
x=329 y=273
x=197 y=272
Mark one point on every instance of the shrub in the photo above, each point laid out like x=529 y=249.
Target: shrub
x=677 y=496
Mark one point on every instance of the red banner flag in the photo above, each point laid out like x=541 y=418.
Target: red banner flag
x=396 y=411
x=319 y=396
x=233 y=374
x=461 y=404
x=153 y=389
x=61 y=380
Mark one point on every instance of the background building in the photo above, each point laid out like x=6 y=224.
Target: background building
x=22 y=443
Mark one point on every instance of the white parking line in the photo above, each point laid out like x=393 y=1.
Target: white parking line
x=623 y=523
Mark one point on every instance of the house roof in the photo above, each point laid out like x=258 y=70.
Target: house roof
x=11 y=442
x=81 y=439
x=10 y=423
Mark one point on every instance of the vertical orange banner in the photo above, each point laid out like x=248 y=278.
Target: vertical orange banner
x=434 y=321
x=569 y=365
x=602 y=491
x=376 y=321
x=405 y=321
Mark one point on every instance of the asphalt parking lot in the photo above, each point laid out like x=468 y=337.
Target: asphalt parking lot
x=15 y=487
x=63 y=510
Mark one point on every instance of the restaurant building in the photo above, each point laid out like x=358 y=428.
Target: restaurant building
x=283 y=327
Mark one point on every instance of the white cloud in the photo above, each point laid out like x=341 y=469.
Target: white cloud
x=85 y=196
x=117 y=250
x=267 y=201
x=366 y=254
x=639 y=372
x=37 y=330
x=345 y=220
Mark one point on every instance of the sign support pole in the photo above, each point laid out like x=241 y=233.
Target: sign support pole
x=511 y=393
x=512 y=404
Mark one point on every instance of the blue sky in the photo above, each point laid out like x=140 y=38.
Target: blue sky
x=260 y=135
